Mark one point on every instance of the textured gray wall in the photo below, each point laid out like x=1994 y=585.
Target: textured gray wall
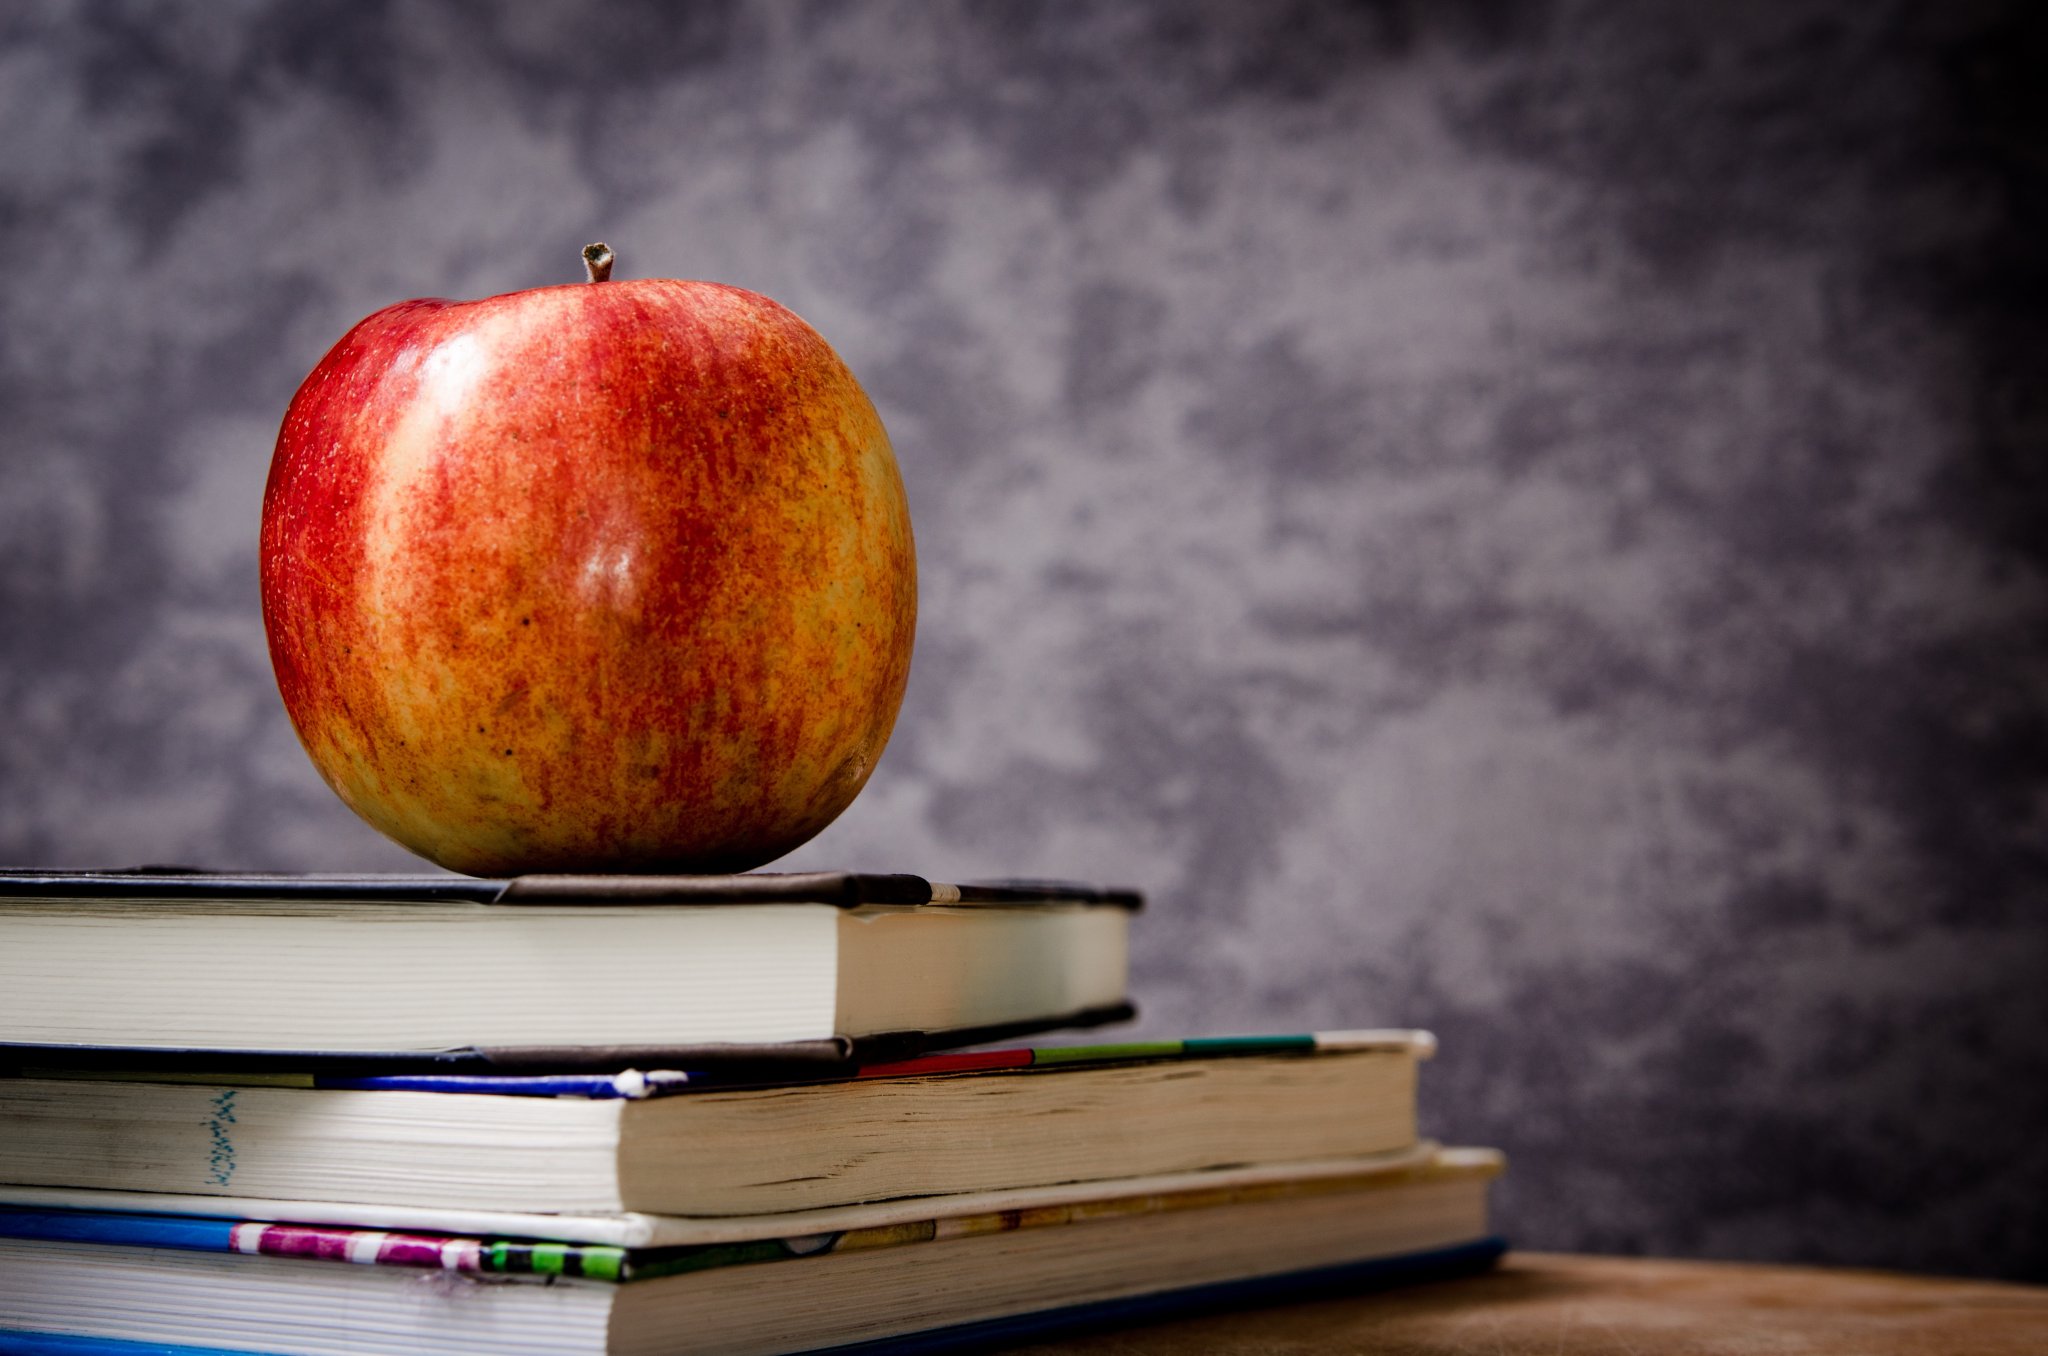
x=1522 y=519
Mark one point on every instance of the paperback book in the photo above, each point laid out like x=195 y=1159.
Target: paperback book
x=543 y=972
x=701 y=1144
x=866 y=1275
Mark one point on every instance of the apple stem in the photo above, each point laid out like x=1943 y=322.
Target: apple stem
x=597 y=259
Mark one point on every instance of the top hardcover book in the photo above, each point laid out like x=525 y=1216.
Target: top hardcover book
x=786 y=970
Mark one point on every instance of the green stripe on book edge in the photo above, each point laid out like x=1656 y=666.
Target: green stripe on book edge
x=604 y=1263
x=1249 y=1045
x=595 y=1261
x=1092 y=1054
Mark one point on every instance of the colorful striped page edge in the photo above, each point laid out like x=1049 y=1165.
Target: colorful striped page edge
x=525 y=1257
x=637 y=1084
x=1420 y=1043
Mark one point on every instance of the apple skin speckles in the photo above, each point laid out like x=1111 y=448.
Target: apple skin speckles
x=606 y=577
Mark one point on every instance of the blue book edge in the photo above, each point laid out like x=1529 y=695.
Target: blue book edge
x=14 y=1343
x=1348 y=1278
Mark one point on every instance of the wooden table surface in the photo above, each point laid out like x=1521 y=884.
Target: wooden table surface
x=1612 y=1306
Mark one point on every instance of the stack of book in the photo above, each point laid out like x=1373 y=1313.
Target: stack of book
x=657 y=1115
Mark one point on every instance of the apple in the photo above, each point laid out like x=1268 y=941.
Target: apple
x=612 y=576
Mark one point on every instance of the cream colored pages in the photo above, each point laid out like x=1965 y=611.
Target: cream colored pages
x=930 y=968
x=323 y=977
x=665 y=1231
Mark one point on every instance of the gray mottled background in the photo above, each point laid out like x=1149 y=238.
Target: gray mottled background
x=1526 y=519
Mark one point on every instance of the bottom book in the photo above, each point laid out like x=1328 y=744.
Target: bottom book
x=80 y=1281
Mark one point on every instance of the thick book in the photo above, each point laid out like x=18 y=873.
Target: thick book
x=542 y=971
x=981 y=1267
x=682 y=1143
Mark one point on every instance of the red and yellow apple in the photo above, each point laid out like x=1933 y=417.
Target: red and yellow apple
x=614 y=576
